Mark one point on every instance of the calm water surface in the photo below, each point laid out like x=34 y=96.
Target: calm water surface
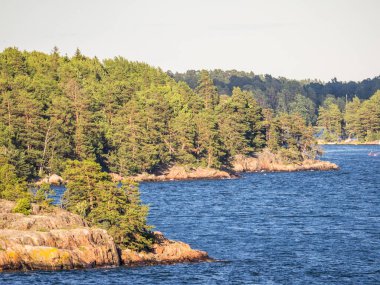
x=266 y=228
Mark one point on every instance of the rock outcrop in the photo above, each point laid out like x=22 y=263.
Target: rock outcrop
x=58 y=239
x=164 y=251
x=183 y=173
x=52 y=240
x=53 y=179
x=264 y=161
x=267 y=161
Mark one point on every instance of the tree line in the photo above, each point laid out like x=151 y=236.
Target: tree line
x=128 y=117
x=82 y=118
x=332 y=107
x=357 y=120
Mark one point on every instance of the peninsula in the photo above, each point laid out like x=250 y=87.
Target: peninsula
x=56 y=239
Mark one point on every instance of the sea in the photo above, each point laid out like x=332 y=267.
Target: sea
x=310 y=227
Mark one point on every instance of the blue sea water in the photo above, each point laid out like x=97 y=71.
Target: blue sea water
x=265 y=228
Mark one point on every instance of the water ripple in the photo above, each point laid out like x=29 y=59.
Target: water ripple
x=266 y=228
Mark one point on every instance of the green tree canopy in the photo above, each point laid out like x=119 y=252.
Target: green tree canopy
x=118 y=209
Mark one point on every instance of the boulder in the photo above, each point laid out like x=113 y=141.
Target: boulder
x=55 y=179
x=52 y=179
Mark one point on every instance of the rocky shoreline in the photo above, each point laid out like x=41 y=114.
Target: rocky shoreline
x=178 y=172
x=349 y=142
x=57 y=239
x=263 y=162
x=243 y=164
x=268 y=162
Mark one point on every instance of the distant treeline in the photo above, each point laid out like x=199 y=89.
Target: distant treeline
x=340 y=109
x=129 y=117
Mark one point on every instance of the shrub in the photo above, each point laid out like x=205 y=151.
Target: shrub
x=23 y=206
x=42 y=196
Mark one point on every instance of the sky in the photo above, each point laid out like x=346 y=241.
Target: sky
x=297 y=39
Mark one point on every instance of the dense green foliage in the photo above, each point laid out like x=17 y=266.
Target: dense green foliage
x=284 y=95
x=23 y=206
x=362 y=120
x=16 y=189
x=358 y=119
x=288 y=137
x=91 y=194
x=42 y=195
x=11 y=187
x=324 y=104
x=127 y=116
x=331 y=120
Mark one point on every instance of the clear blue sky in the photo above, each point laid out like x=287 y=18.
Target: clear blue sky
x=296 y=38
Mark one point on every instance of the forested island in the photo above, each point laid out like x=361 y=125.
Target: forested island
x=103 y=124
x=131 y=118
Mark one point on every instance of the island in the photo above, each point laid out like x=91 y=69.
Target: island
x=101 y=126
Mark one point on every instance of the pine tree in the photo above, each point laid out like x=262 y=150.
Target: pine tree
x=239 y=121
x=207 y=91
x=330 y=119
x=369 y=115
x=352 y=119
x=209 y=149
x=304 y=107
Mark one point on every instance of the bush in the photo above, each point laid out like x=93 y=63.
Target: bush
x=42 y=196
x=23 y=206
x=11 y=187
x=290 y=155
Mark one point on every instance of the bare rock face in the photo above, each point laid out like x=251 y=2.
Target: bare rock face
x=39 y=221
x=58 y=239
x=116 y=177
x=164 y=251
x=183 y=173
x=267 y=161
x=53 y=179
x=52 y=240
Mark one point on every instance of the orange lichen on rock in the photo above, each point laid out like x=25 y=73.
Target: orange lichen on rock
x=25 y=246
x=67 y=242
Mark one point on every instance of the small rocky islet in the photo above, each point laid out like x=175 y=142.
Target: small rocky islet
x=56 y=239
